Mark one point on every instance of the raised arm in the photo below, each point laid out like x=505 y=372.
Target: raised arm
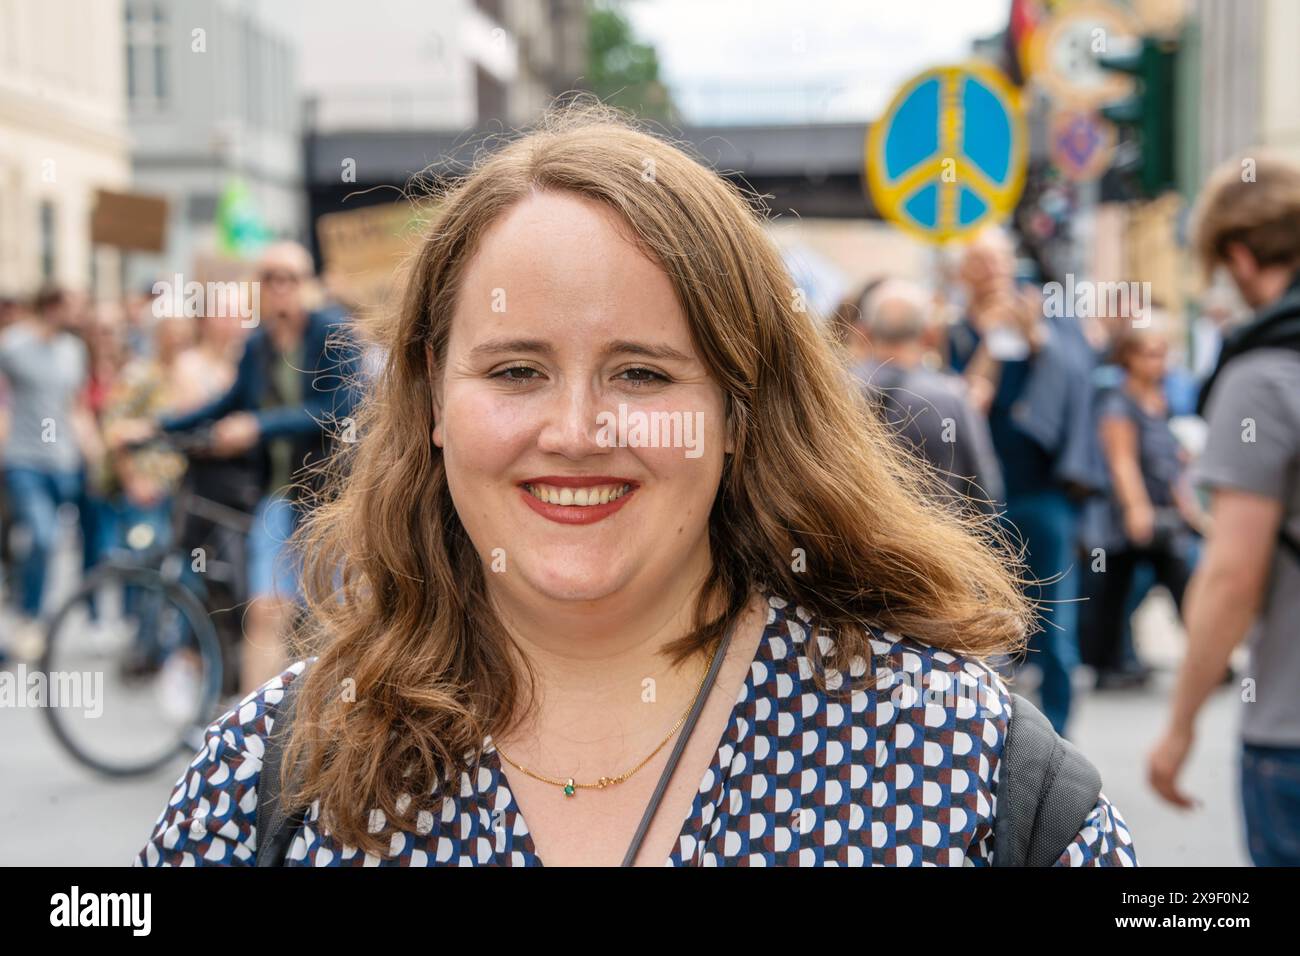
x=235 y=398
x=330 y=396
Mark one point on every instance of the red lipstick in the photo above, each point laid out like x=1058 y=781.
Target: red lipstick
x=576 y=514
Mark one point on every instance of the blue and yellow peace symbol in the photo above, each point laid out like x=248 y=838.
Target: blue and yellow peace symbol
x=949 y=154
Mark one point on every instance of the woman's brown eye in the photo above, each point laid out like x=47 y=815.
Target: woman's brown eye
x=644 y=376
x=506 y=373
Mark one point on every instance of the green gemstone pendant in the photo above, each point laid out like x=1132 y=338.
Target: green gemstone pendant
x=569 y=788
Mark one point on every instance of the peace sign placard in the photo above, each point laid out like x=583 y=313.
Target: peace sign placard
x=949 y=154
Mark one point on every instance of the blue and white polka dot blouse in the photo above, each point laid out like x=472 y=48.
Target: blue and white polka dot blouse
x=902 y=776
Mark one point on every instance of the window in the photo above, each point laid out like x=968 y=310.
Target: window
x=252 y=88
x=146 y=55
x=48 y=240
x=159 y=56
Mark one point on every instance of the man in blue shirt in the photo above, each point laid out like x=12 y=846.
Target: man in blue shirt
x=293 y=393
x=1034 y=372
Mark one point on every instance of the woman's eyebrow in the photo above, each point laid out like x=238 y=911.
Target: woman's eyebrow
x=498 y=346
x=656 y=350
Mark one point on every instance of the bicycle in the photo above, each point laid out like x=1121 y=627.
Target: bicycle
x=166 y=612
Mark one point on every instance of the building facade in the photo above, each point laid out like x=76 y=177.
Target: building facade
x=63 y=137
x=411 y=89
x=213 y=100
x=436 y=64
x=1246 y=76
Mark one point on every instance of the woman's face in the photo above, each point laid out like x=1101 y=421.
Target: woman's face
x=1148 y=358
x=565 y=340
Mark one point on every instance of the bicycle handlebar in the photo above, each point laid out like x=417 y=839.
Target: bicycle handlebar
x=191 y=443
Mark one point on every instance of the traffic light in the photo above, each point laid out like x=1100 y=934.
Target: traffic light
x=1148 y=114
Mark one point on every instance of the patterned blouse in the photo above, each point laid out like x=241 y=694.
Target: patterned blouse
x=902 y=776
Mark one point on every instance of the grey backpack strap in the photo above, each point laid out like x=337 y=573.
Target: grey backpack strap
x=275 y=824
x=1046 y=789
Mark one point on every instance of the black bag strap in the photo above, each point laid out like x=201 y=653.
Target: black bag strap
x=685 y=735
x=276 y=825
x=1046 y=789
x=1275 y=326
x=1289 y=543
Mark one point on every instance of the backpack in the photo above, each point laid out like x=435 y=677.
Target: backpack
x=1046 y=789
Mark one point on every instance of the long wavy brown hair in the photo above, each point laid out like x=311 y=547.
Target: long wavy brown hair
x=816 y=503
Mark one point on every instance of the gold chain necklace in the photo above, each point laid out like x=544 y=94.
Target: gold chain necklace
x=570 y=787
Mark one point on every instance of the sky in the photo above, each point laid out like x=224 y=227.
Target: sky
x=804 y=59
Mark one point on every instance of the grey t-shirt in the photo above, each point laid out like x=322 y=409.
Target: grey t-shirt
x=44 y=377
x=1253 y=445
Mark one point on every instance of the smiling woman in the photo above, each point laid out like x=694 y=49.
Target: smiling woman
x=495 y=585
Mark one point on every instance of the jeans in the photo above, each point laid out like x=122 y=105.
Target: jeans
x=1270 y=799
x=273 y=568
x=128 y=516
x=34 y=497
x=138 y=603
x=1102 y=643
x=100 y=528
x=1047 y=522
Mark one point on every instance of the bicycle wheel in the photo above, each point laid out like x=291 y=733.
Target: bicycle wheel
x=133 y=669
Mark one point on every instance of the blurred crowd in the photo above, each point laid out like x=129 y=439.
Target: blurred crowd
x=1077 y=431
x=1122 y=451
x=94 y=399
x=1065 y=425
x=69 y=370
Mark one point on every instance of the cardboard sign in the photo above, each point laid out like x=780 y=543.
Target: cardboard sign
x=363 y=250
x=129 y=221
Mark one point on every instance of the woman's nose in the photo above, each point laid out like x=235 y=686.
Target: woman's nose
x=570 y=426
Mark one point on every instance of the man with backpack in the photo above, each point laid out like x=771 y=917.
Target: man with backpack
x=1247 y=585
